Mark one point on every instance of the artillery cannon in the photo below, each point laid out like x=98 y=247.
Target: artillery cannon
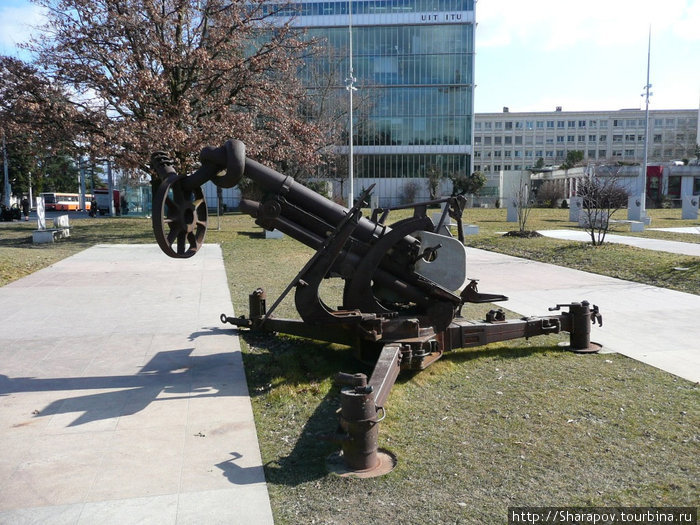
x=404 y=284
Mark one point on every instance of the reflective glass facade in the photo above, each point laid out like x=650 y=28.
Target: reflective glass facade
x=414 y=64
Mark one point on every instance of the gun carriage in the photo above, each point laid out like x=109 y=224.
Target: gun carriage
x=404 y=284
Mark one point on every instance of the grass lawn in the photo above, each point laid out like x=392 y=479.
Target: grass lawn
x=514 y=424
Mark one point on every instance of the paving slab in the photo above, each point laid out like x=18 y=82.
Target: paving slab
x=682 y=229
x=122 y=398
x=654 y=325
x=683 y=248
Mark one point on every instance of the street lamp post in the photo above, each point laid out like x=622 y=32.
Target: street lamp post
x=643 y=174
x=350 y=86
x=110 y=188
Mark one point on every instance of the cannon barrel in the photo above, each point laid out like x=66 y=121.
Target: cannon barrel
x=380 y=264
x=309 y=218
x=305 y=201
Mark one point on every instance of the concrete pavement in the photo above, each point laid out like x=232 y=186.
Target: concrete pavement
x=122 y=398
x=654 y=325
x=683 y=248
x=682 y=229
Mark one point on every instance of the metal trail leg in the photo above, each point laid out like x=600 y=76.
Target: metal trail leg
x=360 y=404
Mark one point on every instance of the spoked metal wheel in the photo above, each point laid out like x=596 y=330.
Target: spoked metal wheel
x=179 y=217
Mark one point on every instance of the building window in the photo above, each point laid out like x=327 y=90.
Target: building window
x=603 y=123
x=550 y=124
x=477 y=126
x=529 y=124
x=629 y=153
x=518 y=154
x=560 y=154
x=592 y=123
x=519 y=124
x=538 y=153
x=591 y=153
x=487 y=125
x=617 y=153
x=497 y=154
x=591 y=138
x=560 y=139
x=581 y=123
x=617 y=138
x=572 y=124
x=487 y=141
x=582 y=138
x=631 y=123
x=549 y=154
x=640 y=138
x=602 y=153
x=508 y=154
x=540 y=124
x=658 y=122
x=509 y=125
x=560 y=123
x=670 y=122
x=508 y=140
x=477 y=140
x=518 y=140
x=617 y=123
x=506 y=167
x=496 y=167
x=570 y=138
x=498 y=125
x=603 y=138
x=497 y=140
x=630 y=138
x=528 y=153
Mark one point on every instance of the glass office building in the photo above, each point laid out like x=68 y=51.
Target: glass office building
x=414 y=64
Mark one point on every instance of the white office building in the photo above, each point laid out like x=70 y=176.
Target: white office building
x=510 y=141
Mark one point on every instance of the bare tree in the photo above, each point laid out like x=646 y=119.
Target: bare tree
x=180 y=74
x=410 y=191
x=327 y=105
x=602 y=196
x=43 y=130
x=550 y=192
x=523 y=203
x=33 y=107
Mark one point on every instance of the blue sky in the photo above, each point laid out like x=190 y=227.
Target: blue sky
x=586 y=55
x=538 y=54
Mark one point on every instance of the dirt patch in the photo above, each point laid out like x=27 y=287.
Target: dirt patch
x=523 y=234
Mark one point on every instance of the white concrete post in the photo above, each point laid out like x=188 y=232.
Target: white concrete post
x=575 y=207
x=512 y=215
x=690 y=207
